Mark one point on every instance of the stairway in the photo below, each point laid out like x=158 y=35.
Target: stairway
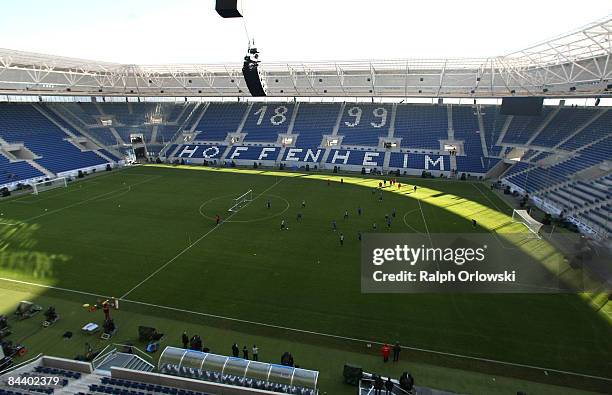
x=503 y=131
x=543 y=125
x=154 y=135
x=123 y=360
x=40 y=168
x=116 y=136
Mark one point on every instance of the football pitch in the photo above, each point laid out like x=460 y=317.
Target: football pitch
x=147 y=235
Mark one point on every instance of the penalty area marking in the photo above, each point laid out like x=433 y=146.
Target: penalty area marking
x=322 y=334
x=87 y=200
x=245 y=220
x=10 y=224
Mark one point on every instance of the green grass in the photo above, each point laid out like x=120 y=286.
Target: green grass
x=108 y=234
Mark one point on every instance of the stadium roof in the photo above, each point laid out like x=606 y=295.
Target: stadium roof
x=573 y=64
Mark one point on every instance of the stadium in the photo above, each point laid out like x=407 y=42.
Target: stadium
x=308 y=227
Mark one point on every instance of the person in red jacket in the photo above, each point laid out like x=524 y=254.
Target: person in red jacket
x=386 y=350
x=217 y=219
x=106 y=310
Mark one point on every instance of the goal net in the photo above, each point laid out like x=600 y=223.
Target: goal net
x=242 y=200
x=523 y=217
x=48 y=185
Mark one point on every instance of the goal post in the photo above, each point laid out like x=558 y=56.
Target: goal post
x=241 y=200
x=523 y=217
x=43 y=186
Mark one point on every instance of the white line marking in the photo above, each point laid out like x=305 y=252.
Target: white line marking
x=246 y=221
x=9 y=224
x=425 y=222
x=86 y=200
x=119 y=194
x=406 y=222
x=162 y=267
x=310 y=332
x=486 y=197
x=93 y=180
x=34 y=199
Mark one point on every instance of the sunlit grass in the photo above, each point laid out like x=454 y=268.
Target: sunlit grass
x=110 y=244
x=510 y=233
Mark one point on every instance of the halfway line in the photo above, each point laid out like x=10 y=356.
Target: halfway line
x=162 y=267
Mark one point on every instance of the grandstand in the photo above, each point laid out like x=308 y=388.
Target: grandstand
x=119 y=185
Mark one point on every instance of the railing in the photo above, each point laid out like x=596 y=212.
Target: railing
x=103 y=356
x=134 y=348
x=14 y=367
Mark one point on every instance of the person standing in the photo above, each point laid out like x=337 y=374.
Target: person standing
x=341 y=239
x=389 y=386
x=269 y=204
x=378 y=384
x=474 y=223
x=386 y=351
x=235 y=350
x=345 y=214
x=359 y=235
x=185 y=340
x=217 y=219
x=255 y=353
x=303 y=203
x=282 y=226
x=396 y=351
x=359 y=211
x=106 y=310
x=299 y=217
x=245 y=352
x=406 y=382
x=334 y=226
x=415 y=188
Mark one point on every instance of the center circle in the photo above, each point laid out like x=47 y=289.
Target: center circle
x=221 y=204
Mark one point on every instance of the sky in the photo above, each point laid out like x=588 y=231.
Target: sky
x=190 y=31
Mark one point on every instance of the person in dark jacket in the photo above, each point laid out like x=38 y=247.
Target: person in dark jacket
x=235 y=350
x=389 y=386
x=396 y=351
x=378 y=384
x=185 y=340
x=245 y=352
x=406 y=382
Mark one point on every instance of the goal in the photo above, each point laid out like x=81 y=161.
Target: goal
x=241 y=200
x=523 y=217
x=48 y=185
